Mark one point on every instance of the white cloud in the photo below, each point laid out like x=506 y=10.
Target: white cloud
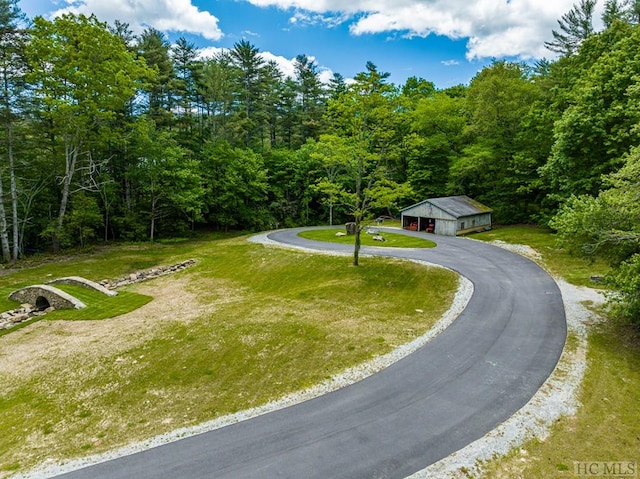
x=164 y=15
x=210 y=52
x=301 y=18
x=326 y=75
x=450 y=63
x=285 y=65
x=494 y=28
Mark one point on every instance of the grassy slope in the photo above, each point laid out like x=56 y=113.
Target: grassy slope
x=557 y=261
x=267 y=322
x=606 y=426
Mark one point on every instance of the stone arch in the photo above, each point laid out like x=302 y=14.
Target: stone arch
x=42 y=292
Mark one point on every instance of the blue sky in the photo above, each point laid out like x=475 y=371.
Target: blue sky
x=444 y=41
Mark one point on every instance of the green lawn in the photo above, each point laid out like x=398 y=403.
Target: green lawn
x=96 y=265
x=574 y=269
x=99 y=306
x=245 y=325
x=393 y=240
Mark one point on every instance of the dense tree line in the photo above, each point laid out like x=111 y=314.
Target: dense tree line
x=106 y=135
x=111 y=136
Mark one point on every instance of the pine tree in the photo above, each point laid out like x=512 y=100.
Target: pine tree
x=12 y=68
x=576 y=26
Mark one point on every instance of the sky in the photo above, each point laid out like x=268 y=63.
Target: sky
x=443 y=41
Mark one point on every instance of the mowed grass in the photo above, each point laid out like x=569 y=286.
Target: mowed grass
x=99 y=306
x=606 y=426
x=574 y=269
x=258 y=323
x=393 y=240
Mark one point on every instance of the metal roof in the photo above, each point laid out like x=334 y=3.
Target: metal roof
x=457 y=206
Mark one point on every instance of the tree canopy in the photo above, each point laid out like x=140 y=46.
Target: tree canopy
x=108 y=136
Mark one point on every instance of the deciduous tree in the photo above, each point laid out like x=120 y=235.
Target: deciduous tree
x=608 y=226
x=81 y=74
x=600 y=124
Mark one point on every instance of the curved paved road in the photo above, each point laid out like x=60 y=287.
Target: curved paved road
x=458 y=387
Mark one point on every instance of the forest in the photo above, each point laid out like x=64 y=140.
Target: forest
x=110 y=136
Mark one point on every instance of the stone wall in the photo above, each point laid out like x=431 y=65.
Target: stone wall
x=25 y=312
x=42 y=296
x=146 y=274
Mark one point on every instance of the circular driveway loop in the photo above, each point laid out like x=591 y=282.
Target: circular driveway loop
x=461 y=385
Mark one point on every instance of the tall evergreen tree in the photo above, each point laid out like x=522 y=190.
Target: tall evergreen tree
x=613 y=10
x=154 y=48
x=249 y=91
x=272 y=79
x=288 y=114
x=310 y=97
x=185 y=65
x=123 y=31
x=12 y=70
x=215 y=92
x=575 y=27
x=337 y=86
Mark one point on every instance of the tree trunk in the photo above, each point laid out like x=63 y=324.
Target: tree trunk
x=71 y=158
x=127 y=192
x=154 y=212
x=28 y=196
x=9 y=254
x=358 y=211
x=4 y=234
x=14 y=200
x=356 y=247
x=106 y=225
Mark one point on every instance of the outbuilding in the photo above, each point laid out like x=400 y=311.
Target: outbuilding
x=448 y=216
